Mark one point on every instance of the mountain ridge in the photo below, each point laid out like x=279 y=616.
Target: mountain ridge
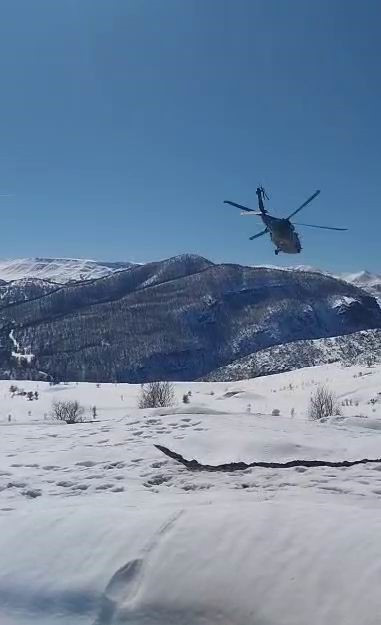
x=180 y=318
x=61 y=270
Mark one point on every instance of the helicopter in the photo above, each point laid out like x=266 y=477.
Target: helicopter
x=282 y=231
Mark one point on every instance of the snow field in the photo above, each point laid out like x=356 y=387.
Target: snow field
x=98 y=527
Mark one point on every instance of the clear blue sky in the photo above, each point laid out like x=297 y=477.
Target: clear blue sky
x=126 y=123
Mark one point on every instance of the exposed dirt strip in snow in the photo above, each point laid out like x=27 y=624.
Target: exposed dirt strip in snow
x=194 y=465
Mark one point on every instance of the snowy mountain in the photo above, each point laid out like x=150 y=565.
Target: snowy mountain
x=178 y=319
x=370 y=282
x=59 y=270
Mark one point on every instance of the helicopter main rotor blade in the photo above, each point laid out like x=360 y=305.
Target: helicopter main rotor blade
x=259 y=234
x=304 y=204
x=244 y=208
x=315 y=226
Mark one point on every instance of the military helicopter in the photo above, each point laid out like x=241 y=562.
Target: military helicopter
x=282 y=231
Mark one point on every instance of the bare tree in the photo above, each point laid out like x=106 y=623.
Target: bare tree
x=68 y=411
x=323 y=403
x=156 y=395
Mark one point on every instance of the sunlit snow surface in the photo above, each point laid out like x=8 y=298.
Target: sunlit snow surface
x=59 y=270
x=98 y=527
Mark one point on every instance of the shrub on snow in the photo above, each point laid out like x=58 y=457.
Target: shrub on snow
x=323 y=403
x=69 y=411
x=156 y=395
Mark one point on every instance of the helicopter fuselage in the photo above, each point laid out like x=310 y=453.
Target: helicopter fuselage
x=281 y=230
x=282 y=234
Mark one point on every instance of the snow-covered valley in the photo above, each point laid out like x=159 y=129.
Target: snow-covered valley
x=97 y=526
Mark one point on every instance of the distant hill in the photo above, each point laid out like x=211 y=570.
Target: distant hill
x=363 y=348
x=60 y=270
x=366 y=280
x=180 y=319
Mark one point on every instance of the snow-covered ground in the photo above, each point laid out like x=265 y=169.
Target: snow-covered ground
x=98 y=527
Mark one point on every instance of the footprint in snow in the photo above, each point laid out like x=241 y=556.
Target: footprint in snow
x=29 y=466
x=157 y=481
x=189 y=487
x=118 y=464
x=80 y=486
x=319 y=481
x=86 y=463
x=117 y=489
x=335 y=489
x=32 y=493
x=158 y=464
x=285 y=484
